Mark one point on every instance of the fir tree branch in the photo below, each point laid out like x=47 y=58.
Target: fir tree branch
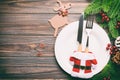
x=114 y=9
x=112 y=29
x=93 y=8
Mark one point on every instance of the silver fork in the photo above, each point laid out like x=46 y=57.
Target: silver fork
x=89 y=27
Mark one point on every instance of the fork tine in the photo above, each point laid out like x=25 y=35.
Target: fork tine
x=89 y=22
x=92 y=19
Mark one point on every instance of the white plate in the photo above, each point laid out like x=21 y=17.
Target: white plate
x=66 y=43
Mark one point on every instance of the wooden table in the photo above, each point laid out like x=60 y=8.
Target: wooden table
x=26 y=38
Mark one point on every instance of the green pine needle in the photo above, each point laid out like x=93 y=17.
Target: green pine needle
x=112 y=29
x=93 y=8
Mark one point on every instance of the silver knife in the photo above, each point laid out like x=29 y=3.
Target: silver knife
x=80 y=31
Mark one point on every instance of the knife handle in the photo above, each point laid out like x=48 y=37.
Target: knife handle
x=80 y=48
x=86 y=50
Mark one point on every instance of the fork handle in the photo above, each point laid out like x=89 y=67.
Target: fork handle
x=87 y=45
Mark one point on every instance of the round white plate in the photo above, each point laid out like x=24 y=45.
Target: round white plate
x=66 y=43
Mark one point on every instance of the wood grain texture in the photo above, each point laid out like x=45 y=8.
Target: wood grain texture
x=29 y=24
x=23 y=27
x=39 y=6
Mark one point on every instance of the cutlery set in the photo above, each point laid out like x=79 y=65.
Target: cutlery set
x=88 y=29
x=83 y=62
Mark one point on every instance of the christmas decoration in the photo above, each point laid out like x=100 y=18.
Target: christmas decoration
x=116 y=57
x=117 y=42
x=104 y=17
x=118 y=25
x=107 y=15
x=60 y=19
x=113 y=49
x=83 y=64
x=108 y=46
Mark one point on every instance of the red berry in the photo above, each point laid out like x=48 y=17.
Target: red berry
x=103 y=19
x=111 y=52
x=111 y=48
x=114 y=47
x=108 y=45
x=104 y=79
x=117 y=27
x=108 y=78
x=118 y=23
x=107 y=19
x=107 y=48
x=103 y=14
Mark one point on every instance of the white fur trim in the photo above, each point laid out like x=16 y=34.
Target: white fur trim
x=81 y=75
x=83 y=56
x=94 y=66
x=71 y=63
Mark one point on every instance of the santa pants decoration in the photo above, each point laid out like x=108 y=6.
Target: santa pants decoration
x=83 y=64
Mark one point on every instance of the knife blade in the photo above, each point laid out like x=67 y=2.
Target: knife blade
x=80 y=31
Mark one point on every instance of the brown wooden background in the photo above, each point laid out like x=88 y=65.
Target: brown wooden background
x=23 y=27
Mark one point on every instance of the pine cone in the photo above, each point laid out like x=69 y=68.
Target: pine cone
x=116 y=58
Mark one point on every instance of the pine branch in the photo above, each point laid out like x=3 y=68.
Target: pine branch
x=93 y=8
x=112 y=29
x=95 y=1
x=106 y=5
x=105 y=72
x=114 y=9
x=118 y=16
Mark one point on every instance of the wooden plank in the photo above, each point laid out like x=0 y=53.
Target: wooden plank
x=29 y=24
x=12 y=45
x=30 y=67
x=24 y=19
x=43 y=62
x=23 y=39
x=38 y=6
x=31 y=19
x=32 y=73
x=27 y=48
x=24 y=23
x=31 y=53
x=33 y=79
x=26 y=30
